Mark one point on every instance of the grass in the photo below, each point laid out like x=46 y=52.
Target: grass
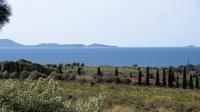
x=137 y=98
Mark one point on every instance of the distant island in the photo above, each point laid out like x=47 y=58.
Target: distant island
x=11 y=43
x=192 y=46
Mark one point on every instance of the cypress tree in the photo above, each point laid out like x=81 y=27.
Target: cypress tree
x=116 y=72
x=191 y=83
x=131 y=75
x=79 y=70
x=157 y=78
x=197 y=82
x=60 y=69
x=184 y=83
x=177 y=82
x=164 y=78
x=140 y=78
x=99 y=71
x=170 y=80
x=147 y=77
x=173 y=76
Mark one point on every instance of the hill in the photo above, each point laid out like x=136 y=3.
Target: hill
x=10 y=43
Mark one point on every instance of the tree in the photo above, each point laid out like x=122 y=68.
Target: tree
x=116 y=72
x=191 y=83
x=164 y=78
x=157 y=78
x=177 y=82
x=79 y=70
x=60 y=69
x=131 y=75
x=197 y=82
x=140 y=78
x=99 y=71
x=147 y=77
x=184 y=83
x=5 y=13
x=170 y=80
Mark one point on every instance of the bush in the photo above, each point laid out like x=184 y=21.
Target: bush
x=55 y=75
x=35 y=75
x=68 y=76
x=43 y=95
x=94 y=104
x=24 y=75
x=14 y=75
x=1 y=75
x=6 y=75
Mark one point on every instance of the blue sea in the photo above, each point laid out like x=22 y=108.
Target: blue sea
x=158 y=57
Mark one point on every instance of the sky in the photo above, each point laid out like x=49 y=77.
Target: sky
x=126 y=23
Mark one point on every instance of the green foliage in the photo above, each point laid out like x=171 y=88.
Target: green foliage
x=24 y=75
x=68 y=76
x=55 y=75
x=43 y=95
x=5 y=75
x=35 y=75
x=184 y=83
x=14 y=75
x=94 y=104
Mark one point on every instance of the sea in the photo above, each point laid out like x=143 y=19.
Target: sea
x=154 y=57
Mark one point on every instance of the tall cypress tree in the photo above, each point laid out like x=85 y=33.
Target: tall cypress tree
x=191 y=83
x=164 y=78
x=147 y=76
x=170 y=77
x=157 y=78
x=140 y=78
x=197 y=82
x=177 y=82
x=173 y=76
x=184 y=83
x=116 y=72
x=79 y=70
x=99 y=71
x=60 y=69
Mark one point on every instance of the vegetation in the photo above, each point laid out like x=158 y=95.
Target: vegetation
x=123 y=88
x=5 y=12
x=44 y=95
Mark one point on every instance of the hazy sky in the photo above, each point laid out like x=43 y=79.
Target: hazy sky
x=113 y=22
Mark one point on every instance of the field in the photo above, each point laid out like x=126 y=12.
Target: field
x=129 y=98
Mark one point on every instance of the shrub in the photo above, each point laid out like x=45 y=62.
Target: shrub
x=55 y=75
x=14 y=75
x=117 y=80
x=1 y=75
x=6 y=75
x=35 y=75
x=24 y=75
x=43 y=95
x=68 y=76
x=94 y=104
